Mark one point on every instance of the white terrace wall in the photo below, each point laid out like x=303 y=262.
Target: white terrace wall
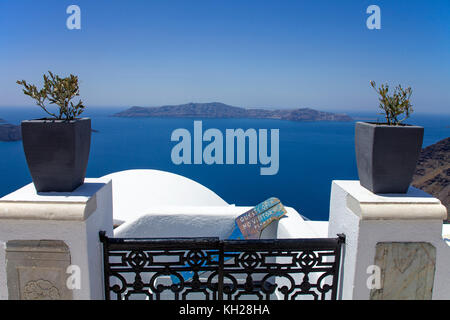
x=396 y=239
x=401 y=235
x=41 y=235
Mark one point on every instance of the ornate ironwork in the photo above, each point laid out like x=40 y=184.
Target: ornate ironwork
x=213 y=269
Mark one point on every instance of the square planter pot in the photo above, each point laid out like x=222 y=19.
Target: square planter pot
x=57 y=152
x=386 y=156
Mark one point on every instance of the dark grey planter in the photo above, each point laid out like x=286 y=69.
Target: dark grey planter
x=386 y=156
x=57 y=152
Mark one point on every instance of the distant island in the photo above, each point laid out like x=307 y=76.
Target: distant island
x=221 y=110
x=433 y=171
x=9 y=132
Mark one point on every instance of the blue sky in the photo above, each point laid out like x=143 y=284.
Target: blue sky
x=248 y=53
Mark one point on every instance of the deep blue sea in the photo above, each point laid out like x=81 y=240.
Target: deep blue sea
x=312 y=154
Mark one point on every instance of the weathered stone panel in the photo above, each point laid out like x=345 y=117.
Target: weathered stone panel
x=36 y=270
x=407 y=271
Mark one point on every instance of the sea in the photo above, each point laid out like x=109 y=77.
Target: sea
x=311 y=155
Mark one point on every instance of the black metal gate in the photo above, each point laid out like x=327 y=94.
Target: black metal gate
x=213 y=269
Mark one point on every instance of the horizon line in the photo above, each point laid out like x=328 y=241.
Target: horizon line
x=263 y=107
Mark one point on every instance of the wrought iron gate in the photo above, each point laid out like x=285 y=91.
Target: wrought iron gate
x=213 y=269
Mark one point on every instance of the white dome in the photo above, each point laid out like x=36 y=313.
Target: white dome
x=136 y=192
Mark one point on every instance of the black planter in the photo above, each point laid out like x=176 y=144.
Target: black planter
x=386 y=156
x=57 y=152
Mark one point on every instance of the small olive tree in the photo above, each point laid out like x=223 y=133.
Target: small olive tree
x=395 y=104
x=59 y=91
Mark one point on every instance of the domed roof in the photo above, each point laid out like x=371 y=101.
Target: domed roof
x=136 y=192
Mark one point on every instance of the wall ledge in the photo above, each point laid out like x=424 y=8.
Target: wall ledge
x=414 y=205
x=26 y=204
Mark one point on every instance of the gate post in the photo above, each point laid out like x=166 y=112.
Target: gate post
x=49 y=246
x=394 y=246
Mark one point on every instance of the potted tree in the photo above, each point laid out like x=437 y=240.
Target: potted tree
x=387 y=153
x=57 y=147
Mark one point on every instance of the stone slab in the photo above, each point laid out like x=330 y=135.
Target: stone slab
x=407 y=271
x=36 y=270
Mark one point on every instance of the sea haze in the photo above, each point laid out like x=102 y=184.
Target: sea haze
x=312 y=154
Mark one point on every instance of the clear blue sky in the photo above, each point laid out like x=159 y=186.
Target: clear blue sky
x=276 y=53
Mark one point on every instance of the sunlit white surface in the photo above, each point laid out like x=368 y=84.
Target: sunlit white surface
x=137 y=192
